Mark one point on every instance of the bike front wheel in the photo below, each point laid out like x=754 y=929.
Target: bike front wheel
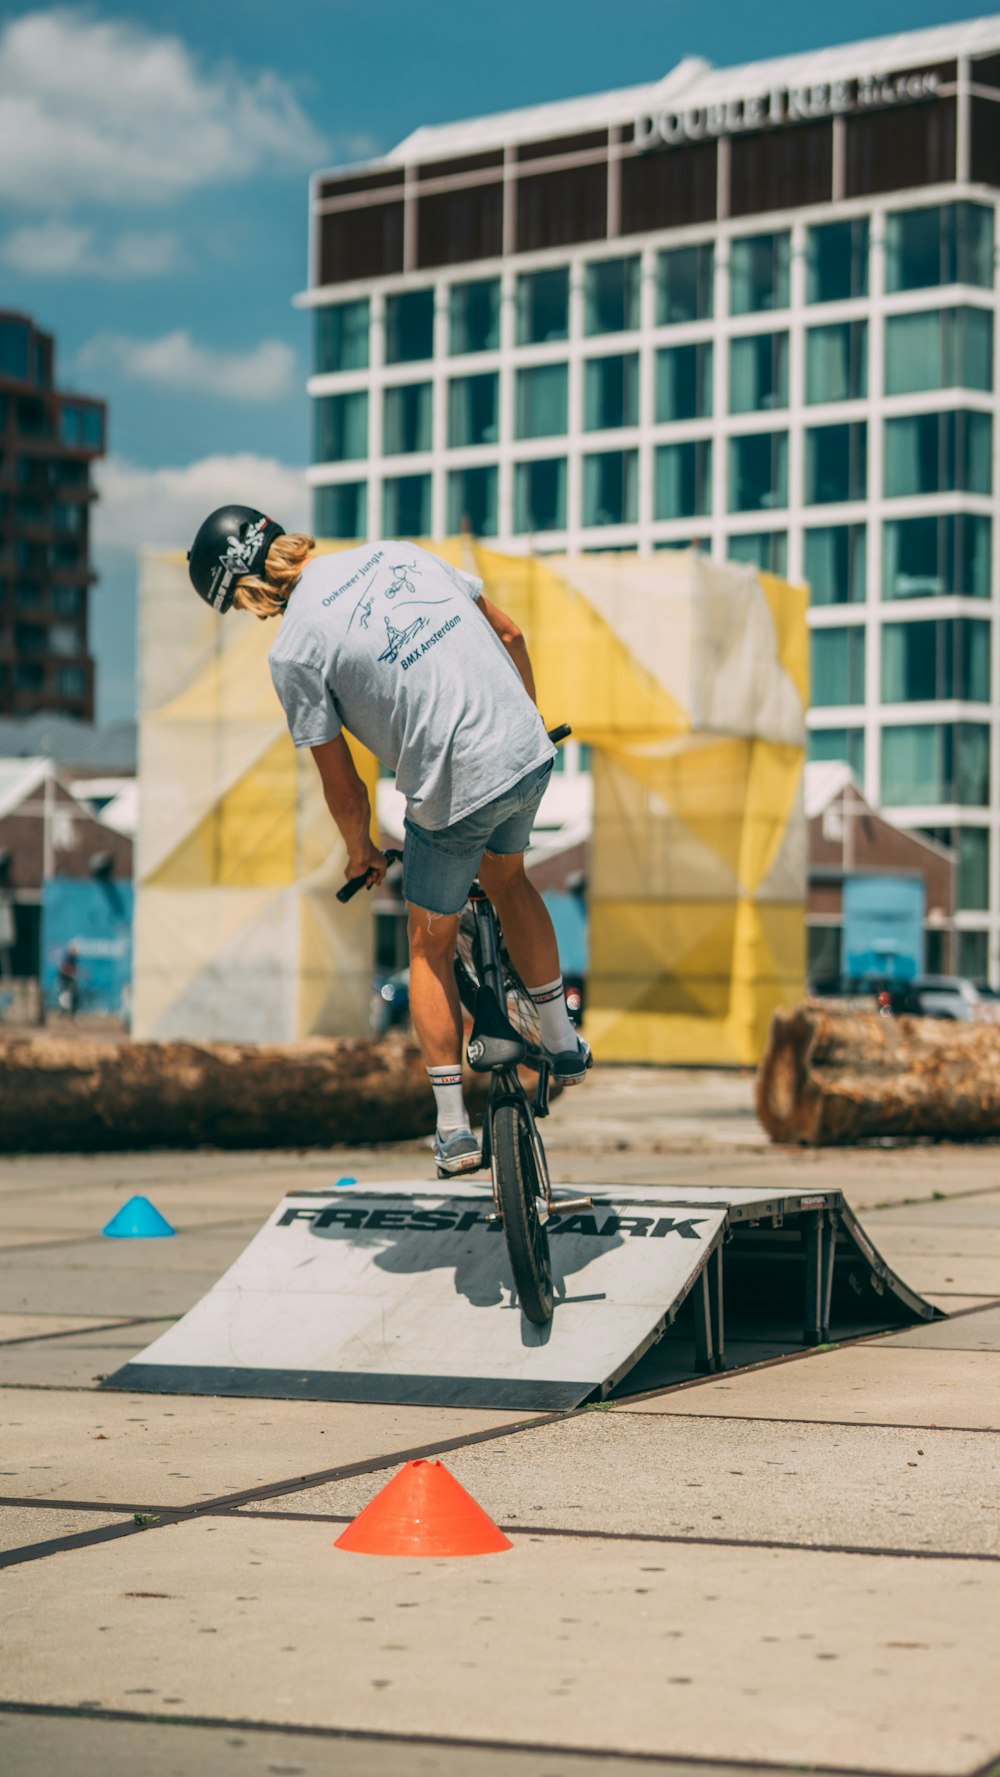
x=519 y=1191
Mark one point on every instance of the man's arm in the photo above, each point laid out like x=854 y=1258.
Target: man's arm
x=513 y=640
x=347 y=800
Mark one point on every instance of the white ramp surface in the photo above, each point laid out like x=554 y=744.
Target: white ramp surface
x=399 y=1293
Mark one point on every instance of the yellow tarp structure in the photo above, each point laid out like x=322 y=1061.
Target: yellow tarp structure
x=688 y=678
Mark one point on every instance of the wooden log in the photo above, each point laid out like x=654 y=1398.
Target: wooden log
x=73 y=1094
x=832 y=1076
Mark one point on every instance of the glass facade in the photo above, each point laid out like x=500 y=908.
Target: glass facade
x=474 y=316
x=835 y=560
x=759 y=273
x=847 y=745
x=936 y=762
x=341 y=510
x=758 y=471
x=940 y=658
x=611 y=295
x=542 y=401
x=611 y=392
x=406 y=506
x=974 y=869
x=941 y=244
x=684 y=383
x=837 y=362
x=474 y=409
x=611 y=487
x=838 y=666
x=938 y=554
x=540 y=496
x=767 y=550
x=974 y=955
x=758 y=372
x=543 y=306
x=939 y=349
x=836 y=463
x=408 y=419
x=472 y=501
x=683 y=485
x=685 y=279
x=837 y=261
x=341 y=427
x=341 y=337
x=409 y=326
x=938 y=453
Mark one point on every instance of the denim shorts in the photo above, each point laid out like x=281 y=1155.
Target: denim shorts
x=439 y=868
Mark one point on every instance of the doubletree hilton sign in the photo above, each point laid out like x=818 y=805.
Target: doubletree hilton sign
x=783 y=104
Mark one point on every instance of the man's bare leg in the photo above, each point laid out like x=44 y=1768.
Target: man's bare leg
x=435 y=1007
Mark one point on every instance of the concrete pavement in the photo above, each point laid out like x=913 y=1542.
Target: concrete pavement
x=796 y=1566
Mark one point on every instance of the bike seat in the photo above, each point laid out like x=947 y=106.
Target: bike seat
x=494 y=1041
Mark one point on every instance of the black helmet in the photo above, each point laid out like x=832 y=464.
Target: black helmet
x=232 y=543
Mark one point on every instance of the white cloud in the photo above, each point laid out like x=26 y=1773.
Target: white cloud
x=163 y=508
x=176 y=361
x=108 y=111
x=57 y=249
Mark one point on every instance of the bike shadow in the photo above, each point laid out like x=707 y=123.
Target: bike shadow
x=480 y=1267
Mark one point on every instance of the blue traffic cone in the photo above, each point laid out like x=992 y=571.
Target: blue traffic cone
x=138 y=1219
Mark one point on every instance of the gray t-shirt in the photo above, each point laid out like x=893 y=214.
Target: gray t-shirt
x=386 y=640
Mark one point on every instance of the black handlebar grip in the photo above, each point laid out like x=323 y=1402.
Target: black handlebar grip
x=563 y=732
x=357 y=883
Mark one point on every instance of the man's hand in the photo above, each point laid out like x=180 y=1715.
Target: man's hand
x=368 y=861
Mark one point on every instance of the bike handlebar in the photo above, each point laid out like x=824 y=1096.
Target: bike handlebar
x=392 y=856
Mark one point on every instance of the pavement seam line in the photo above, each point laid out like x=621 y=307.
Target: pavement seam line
x=111 y=1326
x=58 y=1545
x=543 y=1749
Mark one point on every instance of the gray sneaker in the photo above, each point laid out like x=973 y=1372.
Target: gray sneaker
x=569 y=1066
x=461 y=1151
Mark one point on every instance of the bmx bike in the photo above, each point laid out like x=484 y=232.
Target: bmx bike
x=506 y=1037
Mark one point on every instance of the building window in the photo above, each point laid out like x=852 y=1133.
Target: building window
x=475 y=316
x=937 y=554
x=845 y=745
x=758 y=472
x=68 y=601
x=540 y=496
x=938 y=453
x=81 y=426
x=407 y=419
x=685 y=284
x=472 y=501
x=837 y=362
x=541 y=398
x=684 y=383
x=936 y=762
x=758 y=273
x=29 y=675
x=942 y=244
x=838 y=666
x=836 y=463
x=758 y=372
x=543 y=306
x=342 y=336
x=409 y=326
x=835 y=564
x=940 y=658
x=684 y=479
x=29 y=597
x=64 y=638
x=611 y=487
x=611 y=392
x=939 y=349
x=341 y=511
x=974 y=955
x=974 y=869
x=406 y=506
x=15 y=341
x=766 y=550
x=71 y=681
x=473 y=409
x=341 y=427
x=611 y=295
x=837 y=261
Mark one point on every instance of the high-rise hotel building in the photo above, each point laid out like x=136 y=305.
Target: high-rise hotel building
x=750 y=308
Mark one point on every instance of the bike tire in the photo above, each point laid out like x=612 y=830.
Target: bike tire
x=518 y=1188
x=521 y=1008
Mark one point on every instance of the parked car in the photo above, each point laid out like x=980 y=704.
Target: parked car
x=951 y=996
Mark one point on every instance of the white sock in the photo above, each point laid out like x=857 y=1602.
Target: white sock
x=557 y=1031
x=451 y=1111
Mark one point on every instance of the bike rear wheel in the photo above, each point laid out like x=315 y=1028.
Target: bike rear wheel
x=519 y=1190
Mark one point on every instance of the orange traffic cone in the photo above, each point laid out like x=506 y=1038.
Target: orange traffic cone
x=423 y=1511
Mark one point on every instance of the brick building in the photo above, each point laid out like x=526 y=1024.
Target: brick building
x=48 y=441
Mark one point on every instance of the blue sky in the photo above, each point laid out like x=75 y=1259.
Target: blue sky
x=154 y=162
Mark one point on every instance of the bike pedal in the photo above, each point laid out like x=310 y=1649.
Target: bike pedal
x=570 y=1206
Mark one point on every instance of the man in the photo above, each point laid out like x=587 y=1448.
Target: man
x=393 y=645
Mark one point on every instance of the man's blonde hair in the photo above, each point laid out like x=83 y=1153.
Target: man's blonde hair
x=267 y=594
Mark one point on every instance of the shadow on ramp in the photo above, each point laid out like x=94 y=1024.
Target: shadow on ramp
x=378 y=1295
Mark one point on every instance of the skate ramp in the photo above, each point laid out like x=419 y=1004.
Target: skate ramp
x=402 y=1293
